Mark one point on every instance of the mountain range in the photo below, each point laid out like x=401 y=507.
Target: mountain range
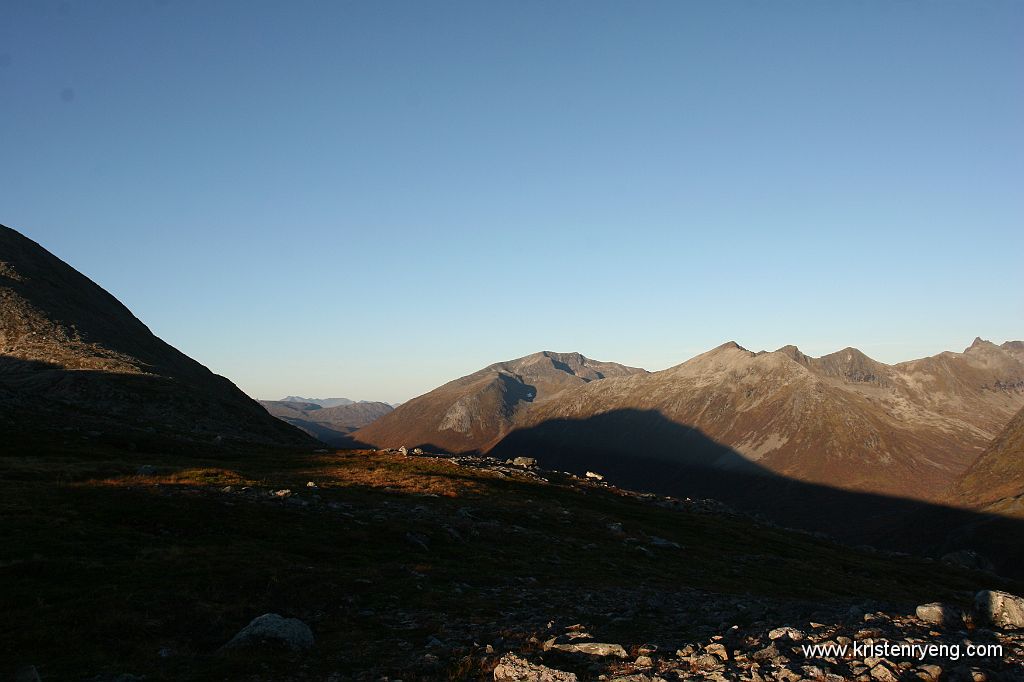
x=472 y=412
x=73 y=359
x=330 y=421
x=843 y=420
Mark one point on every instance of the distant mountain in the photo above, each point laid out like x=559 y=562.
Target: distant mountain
x=842 y=420
x=332 y=425
x=470 y=413
x=322 y=402
x=73 y=358
x=995 y=481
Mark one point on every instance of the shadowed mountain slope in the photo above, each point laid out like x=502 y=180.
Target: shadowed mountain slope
x=473 y=411
x=995 y=481
x=842 y=420
x=332 y=425
x=73 y=357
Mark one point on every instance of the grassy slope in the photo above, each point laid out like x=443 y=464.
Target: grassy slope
x=101 y=568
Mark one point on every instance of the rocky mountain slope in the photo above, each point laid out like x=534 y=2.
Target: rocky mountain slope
x=995 y=481
x=842 y=420
x=73 y=357
x=332 y=425
x=475 y=410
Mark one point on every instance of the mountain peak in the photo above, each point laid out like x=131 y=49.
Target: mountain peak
x=980 y=343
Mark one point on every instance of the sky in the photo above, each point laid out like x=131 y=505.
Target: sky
x=368 y=199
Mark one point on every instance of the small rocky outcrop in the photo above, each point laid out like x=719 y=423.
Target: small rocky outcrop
x=512 y=668
x=1001 y=609
x=272 y=629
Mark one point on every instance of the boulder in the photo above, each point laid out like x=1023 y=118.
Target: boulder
x=589 y=648
x=595 y=476
x=1001 y=609
x=524 y=462
x=512 y=668
x=937 y=613
x=270 y=628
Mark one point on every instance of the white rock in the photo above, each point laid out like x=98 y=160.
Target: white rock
x=1001 y=609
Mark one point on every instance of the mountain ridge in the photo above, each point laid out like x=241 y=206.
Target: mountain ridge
x=72 y=355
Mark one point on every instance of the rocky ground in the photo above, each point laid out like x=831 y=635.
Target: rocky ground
x=408 y=566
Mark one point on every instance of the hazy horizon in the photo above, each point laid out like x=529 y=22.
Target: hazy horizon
x=369 y=200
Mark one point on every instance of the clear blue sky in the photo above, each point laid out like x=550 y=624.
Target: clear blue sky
x=368 y=199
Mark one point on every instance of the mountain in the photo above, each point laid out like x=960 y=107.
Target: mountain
x=332 y=425
x=322 y=402
x=995 y=481
x=472 y=412
x=842 y=420
x=73 y=358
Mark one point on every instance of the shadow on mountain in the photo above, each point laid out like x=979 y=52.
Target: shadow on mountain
x=119 y=408
x=643 y=450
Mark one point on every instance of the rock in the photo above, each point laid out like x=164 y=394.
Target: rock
x=418 y=540
x=403 y=451
x=310 y=484
x=589 y=648
x=270 y=628
x=792 y=633
x=595 y=476
x=706 y=662
x=146 y=470
x=1002 y=609
x=417 y=451
x=937 y=613
x=883 y=674
x=968 y=558
x=929 y=672
x=524 y=462
x=662 y=542
x=717 y=650
x=27 y=674
x=644 y=662
x=512 y=668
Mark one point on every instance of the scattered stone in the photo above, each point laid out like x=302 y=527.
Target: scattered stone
x=270 y=628
x=512 y=668
x=1002 y=609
